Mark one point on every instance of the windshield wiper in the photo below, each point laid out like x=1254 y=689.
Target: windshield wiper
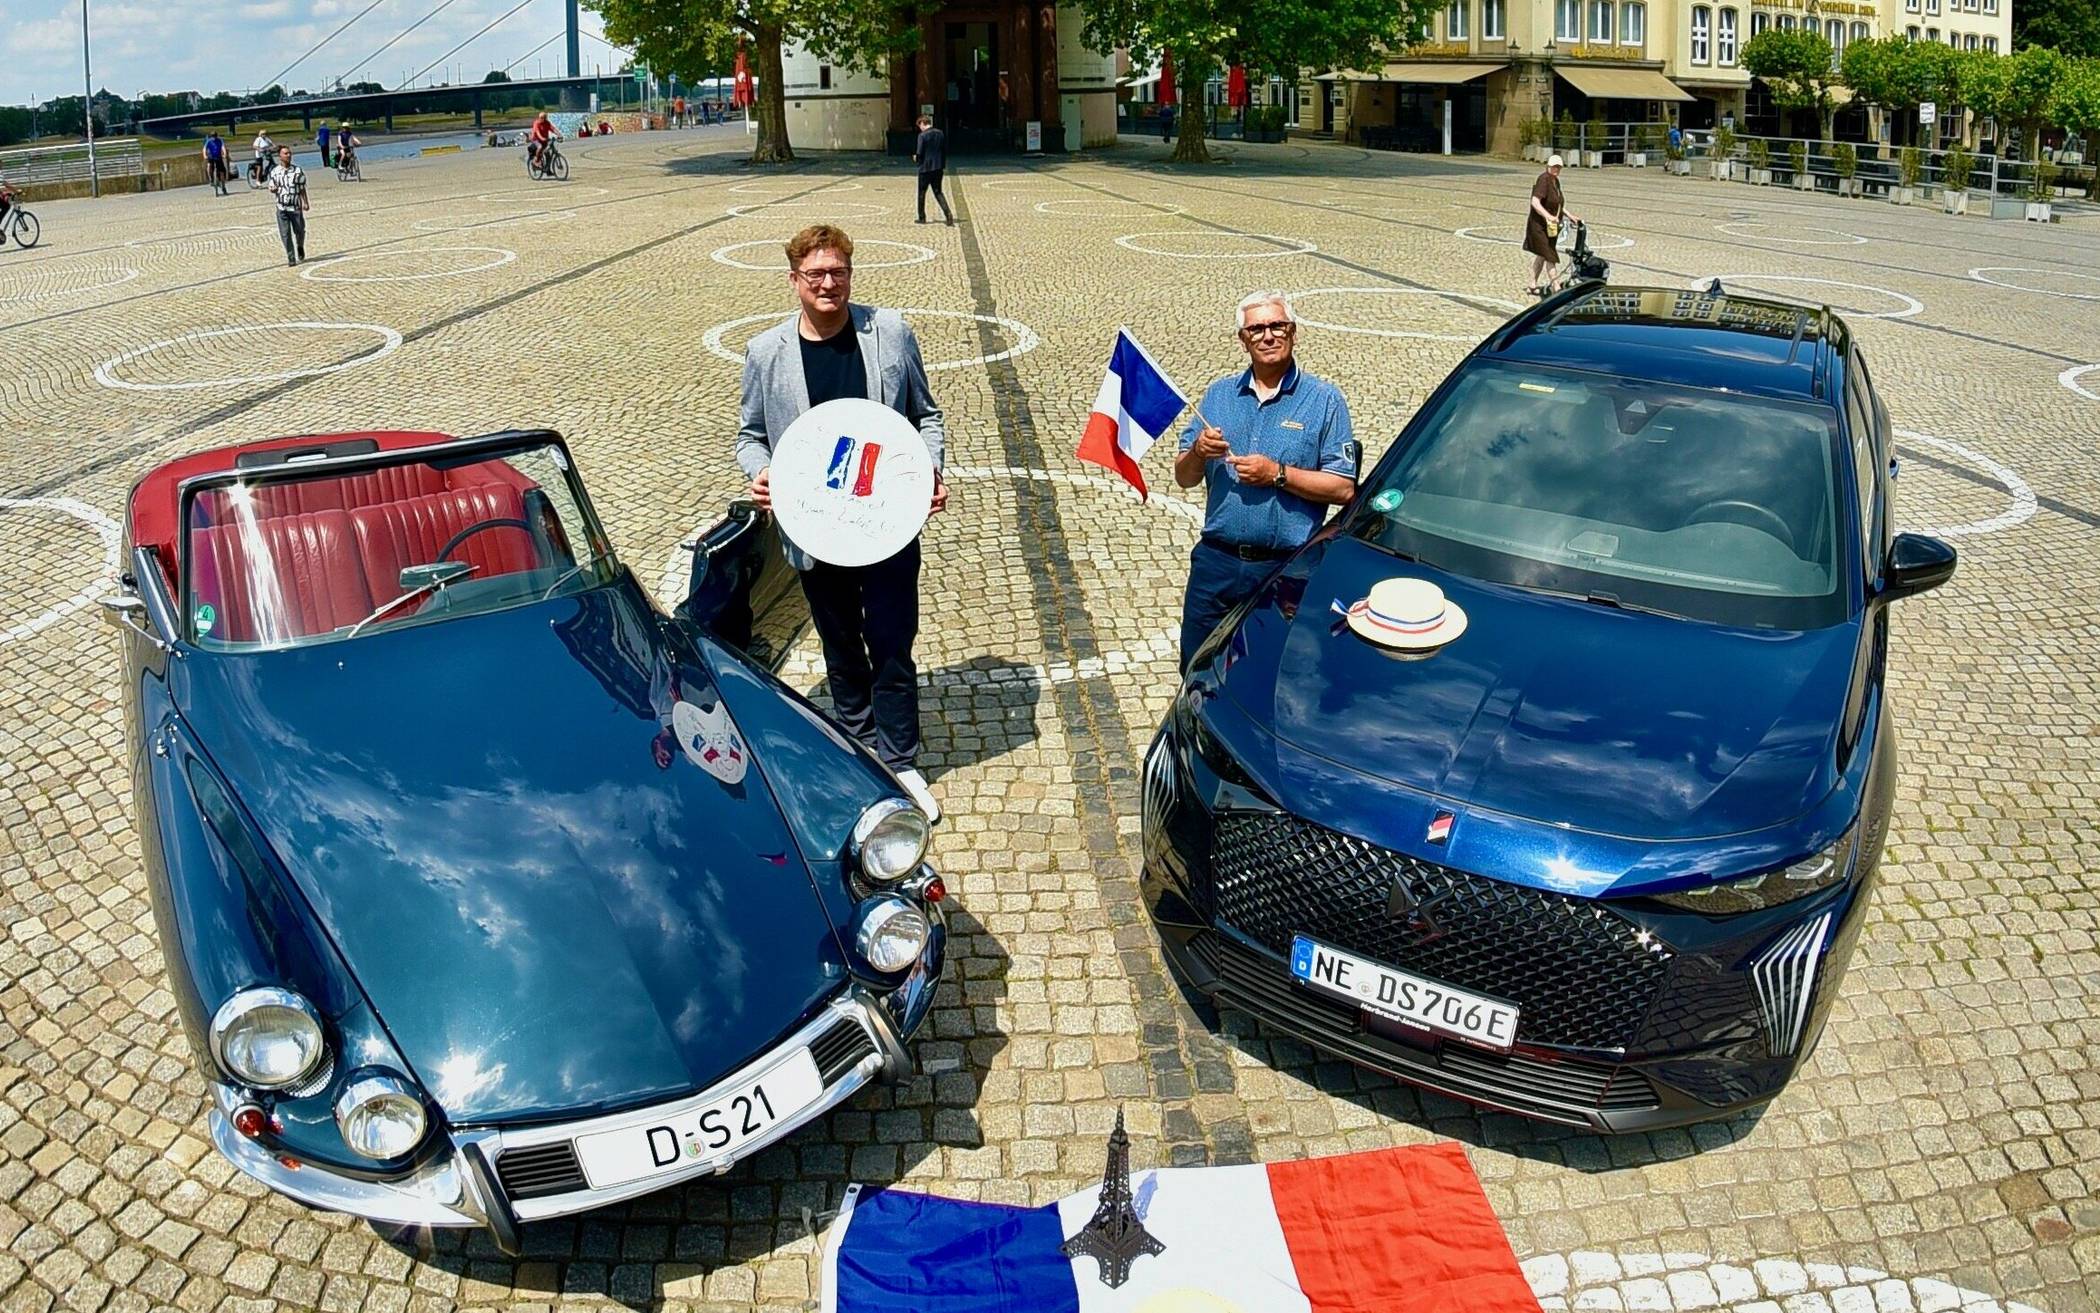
x=576 y=569
x=1599 y=597
x=435 y=576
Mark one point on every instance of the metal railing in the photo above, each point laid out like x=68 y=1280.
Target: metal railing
x=1879 y=168
x=117 y=157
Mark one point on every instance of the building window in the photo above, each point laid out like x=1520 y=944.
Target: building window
x=1990 y=43
x=1568 y=20
x=1990 y=6
x=1702 y=24
x=1859 y=32
x=1759 y=21
x=1932 y=34
x=1633 y=25
x=1455 y=19
x=1834 y=32
x=1911 y=33
x=1600 y=22
x=1786 y=23
x=823 y=77
x=1491 y=20
x=1970 y=42
x=1724 y=42
x=1932 y=6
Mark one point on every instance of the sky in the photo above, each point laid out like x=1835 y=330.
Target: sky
x=215 y=45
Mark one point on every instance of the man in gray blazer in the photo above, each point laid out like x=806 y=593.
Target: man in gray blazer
x=867 y=617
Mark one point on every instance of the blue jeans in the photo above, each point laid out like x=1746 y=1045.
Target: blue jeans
x=1218 y=582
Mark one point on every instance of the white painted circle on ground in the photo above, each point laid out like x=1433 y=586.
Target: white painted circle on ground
x=1655 y=1278
x=1023 y=184
x=106 y=375
x=2069 y=378
x=833 y=209
x=318 y=273
x=1495 y=302
x=41 y=280
x=1979 y=276
x=784 y=186
x=1025 y=339
x=1911 y=304
x=1599 y=242
x=1129 y=207
x=511 y=195
x=1849 y=239
x=1297 y=245
x=105 y=529
x=914 y=254
x=506 y=221
x=2023 y=499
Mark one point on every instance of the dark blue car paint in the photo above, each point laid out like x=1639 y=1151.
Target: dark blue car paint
x=547 y=927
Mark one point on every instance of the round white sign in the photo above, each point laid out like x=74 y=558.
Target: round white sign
x=852 y=482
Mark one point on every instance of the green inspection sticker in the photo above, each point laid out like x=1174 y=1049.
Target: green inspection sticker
x=206 y=618
x=1386 y=500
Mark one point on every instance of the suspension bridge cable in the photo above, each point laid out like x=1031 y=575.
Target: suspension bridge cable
x=469 y=41
x=310 y=50
x=443 y=5
x=558 y=35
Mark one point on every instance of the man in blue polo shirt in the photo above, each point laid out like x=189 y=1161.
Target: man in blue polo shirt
x=1276 y=459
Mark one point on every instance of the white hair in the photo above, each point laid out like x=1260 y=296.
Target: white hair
x=1239 y=316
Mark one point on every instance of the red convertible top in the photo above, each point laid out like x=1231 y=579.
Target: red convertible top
x=154 y=510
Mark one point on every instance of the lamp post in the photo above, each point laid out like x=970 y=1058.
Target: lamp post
x=87 y=77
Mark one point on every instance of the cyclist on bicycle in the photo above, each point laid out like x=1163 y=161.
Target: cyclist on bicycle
x=7 y=201
x=264 y=149
x=346 y=144
x=543 y=131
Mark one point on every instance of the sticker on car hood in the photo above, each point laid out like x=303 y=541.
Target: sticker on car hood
x=710 y=739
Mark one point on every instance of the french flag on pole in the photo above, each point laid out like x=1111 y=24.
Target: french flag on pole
x=1137 y=403
x=1404 y=1230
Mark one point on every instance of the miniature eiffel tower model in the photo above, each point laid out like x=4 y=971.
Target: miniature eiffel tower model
x=1115 y=1237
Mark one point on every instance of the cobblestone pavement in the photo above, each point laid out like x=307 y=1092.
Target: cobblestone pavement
x=1942 y=1149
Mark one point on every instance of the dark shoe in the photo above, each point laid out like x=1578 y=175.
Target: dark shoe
x=951 y=221
x=921 y=219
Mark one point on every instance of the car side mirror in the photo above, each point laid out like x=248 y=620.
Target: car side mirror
x=1917 y=563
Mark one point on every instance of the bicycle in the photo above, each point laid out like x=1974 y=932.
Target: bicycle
x=21 y=225
x=347 y=169
x=547 y=162
x=258 y=173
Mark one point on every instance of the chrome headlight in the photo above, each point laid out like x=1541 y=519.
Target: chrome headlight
x=892 y=933
x=268 y=1038
x=380 y=1116
x=889 y=840
x=1772 y=888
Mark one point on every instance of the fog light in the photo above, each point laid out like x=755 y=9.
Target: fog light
x=892 y=933
x=380 y=1116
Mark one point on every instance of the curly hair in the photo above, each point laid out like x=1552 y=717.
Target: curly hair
x=818 y=237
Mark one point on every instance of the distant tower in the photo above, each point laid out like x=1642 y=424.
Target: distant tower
x=1115 y=1237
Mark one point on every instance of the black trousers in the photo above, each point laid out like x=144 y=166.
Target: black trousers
x=933 y=180
x=867 y=617
x=291 y=225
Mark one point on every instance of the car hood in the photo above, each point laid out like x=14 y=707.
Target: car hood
x=1546 y=708
x=553 y=908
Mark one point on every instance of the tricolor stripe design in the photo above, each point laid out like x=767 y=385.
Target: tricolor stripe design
x=1383 y=621
x=841 y=468
x=1394 y=1230
x=1136 y=404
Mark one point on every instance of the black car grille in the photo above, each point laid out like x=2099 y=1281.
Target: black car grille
x=539 y=1169
x=1565 y=1091
x=839 y=1049
x=1581 y=974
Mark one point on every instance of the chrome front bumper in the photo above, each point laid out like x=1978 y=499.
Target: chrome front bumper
x=457 y=1190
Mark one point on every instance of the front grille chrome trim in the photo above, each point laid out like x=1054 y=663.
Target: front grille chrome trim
x=1785 y=978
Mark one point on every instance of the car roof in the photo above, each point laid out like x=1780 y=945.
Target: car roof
x=1694 y=337
x=154 y=501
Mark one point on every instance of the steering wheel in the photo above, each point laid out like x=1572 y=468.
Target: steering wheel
x=472 y=529
x=1729 y=511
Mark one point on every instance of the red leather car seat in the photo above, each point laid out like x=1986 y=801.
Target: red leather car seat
x=414 y=530
x=279 y=577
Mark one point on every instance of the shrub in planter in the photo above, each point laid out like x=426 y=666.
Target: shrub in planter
x=1797 y=156
x=1844 y=157
x=1760 y=162
x=1595 y=135
x=1723 y=165
x=1910 y=164
x=1564 y=135
x=2041 y=189
x=1954 y=172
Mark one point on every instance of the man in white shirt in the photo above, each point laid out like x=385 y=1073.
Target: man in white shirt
x=288 y=184
x=264 y=150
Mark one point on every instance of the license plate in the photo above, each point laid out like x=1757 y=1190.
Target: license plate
x=712 y=1130
x=1405 y=997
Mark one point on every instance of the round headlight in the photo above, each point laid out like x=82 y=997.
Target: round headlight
x=267 y=1038
x=380 y=1116
x=892 y=933
x=889 y=840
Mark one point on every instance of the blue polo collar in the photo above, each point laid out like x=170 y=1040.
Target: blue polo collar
x=1290 y=381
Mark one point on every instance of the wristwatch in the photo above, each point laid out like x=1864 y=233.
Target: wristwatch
x=1283 y=474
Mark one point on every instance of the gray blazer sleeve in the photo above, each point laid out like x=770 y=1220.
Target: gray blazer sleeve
x=919 y=405
x=754 y=447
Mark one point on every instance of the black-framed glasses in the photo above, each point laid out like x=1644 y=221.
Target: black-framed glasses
x=1274 y=328
x=818 y=277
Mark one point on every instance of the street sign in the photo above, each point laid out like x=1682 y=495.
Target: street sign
x=1928 y=113
x=1034 y=136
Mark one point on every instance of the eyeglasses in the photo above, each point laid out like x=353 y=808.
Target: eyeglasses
x=1274 y=328
x=818 y=277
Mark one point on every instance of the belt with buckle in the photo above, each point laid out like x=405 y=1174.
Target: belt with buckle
x=1246 y=553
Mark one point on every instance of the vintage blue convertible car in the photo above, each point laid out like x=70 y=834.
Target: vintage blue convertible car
x=488 y=891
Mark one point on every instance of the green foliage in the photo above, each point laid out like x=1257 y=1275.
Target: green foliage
x=1845 y=159
x=1909 y=165
x=2076 y=104
x=2041 y=185
x=1564 y=134
x=1724 y=143
x=1795 y=65
x=1899 y=75
x=1797 y=156
x=1596 y=133
x=1760 y=153
x=1651 y=139
x=2072 y=27
x=1956 y=168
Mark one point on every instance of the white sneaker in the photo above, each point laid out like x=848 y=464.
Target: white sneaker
x=915 y=785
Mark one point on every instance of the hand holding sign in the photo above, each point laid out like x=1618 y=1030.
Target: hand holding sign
x=852 y=482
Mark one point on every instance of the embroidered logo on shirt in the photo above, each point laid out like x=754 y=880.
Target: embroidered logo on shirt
x=1292 y=424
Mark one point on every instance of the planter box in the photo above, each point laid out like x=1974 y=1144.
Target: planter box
x=2007 y=207
x=1593 y=159
x=1804 y=182
x=1955 y=202
x=1848 y=187
x=1903 y=196
x=2038 y=211
x=1682 y=168
x=1637 y=160
x=1760 y=177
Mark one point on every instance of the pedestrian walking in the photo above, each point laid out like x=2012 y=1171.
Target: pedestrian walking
x=287 y=182
x=321 y=140
x=1542 y=226
x=867 y=617
x=1272 y=444
x=1166 y=123
x=931 y=155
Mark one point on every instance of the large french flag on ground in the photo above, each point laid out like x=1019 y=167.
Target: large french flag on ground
x=1137 y=403
x=1390 y=1231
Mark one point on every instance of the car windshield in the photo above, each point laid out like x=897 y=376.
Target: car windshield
x=275 y=562
x=1702 y=504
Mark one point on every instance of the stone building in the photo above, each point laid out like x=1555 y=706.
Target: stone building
x=984 y=71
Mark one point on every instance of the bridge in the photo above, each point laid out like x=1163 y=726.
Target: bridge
x=369 y=107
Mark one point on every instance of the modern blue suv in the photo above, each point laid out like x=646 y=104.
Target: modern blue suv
x=1602 y=859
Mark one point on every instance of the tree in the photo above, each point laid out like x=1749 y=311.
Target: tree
x=1981 y=82
x=2029 y=89
x=2071 y=27
x=696 y=39
x=2076 y=108
x=1799 y=67
x=496 y=75
x=1277 y=37
x=1898 y=75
